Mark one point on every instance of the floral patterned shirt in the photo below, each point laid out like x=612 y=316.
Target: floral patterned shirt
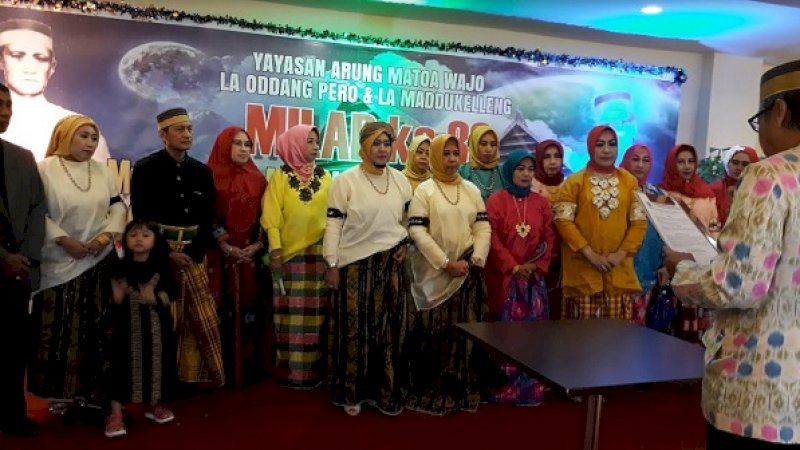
x=752 y=366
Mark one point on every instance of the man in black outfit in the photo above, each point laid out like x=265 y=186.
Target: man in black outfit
x=22 y=210
x=177 y=192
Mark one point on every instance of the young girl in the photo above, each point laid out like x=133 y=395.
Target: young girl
x=142 y=344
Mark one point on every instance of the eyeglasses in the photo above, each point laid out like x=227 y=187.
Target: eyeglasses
x=754 y=121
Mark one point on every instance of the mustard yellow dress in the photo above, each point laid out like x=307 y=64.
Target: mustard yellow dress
x=601 y=211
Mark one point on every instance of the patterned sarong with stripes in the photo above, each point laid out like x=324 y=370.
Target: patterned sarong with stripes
x=444 y=365
x=300 y=316
x=197 y=329
x=146 y=354
x=368 y=327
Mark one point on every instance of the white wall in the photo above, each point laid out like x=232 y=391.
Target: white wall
x=716 y=99
x=732 y=93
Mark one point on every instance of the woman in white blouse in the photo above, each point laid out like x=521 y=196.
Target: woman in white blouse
x=451 y=233
x=84 y=217
x=364 y=247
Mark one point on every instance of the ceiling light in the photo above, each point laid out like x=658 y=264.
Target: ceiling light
x=652 y=9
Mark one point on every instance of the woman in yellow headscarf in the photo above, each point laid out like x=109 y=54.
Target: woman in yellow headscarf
x=451 y=233
x=84 y=216
x=417 y=168
x=482 y=169
x=364 y=247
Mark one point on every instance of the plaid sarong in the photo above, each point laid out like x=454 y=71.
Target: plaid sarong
x=600 y=305
x=197 y=328
x=300 y=316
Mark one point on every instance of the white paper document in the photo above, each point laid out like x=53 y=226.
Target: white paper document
x=677 y=229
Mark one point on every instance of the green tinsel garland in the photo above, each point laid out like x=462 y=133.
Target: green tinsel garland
x=673 y=74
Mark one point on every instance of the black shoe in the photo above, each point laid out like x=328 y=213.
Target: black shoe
x=20 y=428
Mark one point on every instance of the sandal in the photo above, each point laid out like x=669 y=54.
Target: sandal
x=352 y=410
x=115 y=426
x=160 y=415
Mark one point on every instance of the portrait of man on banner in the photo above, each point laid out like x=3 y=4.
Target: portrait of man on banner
x=28 y=61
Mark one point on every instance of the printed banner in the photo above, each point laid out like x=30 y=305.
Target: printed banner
x=123 y=72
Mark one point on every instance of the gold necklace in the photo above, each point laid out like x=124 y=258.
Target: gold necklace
x=458 y=193
x=375 y=188
x=69 y=175
x=523 y=228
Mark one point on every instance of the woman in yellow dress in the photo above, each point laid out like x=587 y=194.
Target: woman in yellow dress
x=294 y=219
x=602 y=225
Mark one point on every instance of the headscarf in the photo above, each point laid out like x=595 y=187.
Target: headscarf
x=507 y=169
x=728 y=182
x=594 y=134
x=728 y=154
x=474 y=142
x=540 y=175
x=695 y=187
x=291 y=149
x=627 y=161
x=64 y=131
x=437 y=160
x=367 y=137
x=239 y=187
x=410 y=171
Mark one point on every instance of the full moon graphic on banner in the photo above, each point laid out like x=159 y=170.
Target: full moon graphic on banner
x=123 y=72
